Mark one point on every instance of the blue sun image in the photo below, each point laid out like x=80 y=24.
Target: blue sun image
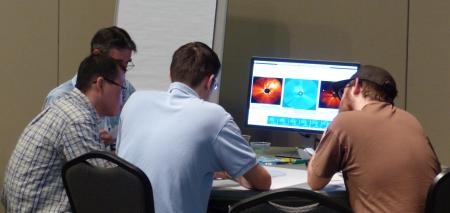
x=300 y=94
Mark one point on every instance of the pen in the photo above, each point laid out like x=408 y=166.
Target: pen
x=286 y=160
x=298 y=161
x=293 y=160
x=273 y=163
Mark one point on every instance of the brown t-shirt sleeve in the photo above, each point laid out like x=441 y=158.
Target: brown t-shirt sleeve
x=329 y=156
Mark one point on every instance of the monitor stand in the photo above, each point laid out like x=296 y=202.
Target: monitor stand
x=307 y=141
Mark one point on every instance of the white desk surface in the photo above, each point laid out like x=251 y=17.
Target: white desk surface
x=284 y=175
x=282 y=178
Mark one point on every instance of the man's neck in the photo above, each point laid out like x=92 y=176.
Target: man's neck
x=367 y=102
x=360 y=102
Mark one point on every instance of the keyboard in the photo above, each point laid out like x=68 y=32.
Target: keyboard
x=292 y=154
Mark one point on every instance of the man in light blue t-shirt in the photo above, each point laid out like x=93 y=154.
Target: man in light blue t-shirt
x=117 y=43
x=180 y=140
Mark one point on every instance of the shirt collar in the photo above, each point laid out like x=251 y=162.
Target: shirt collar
x=376 y=106
x=85 y=101
x=178 y=88
x=74 y=80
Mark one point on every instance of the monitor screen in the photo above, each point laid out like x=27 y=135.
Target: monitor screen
x=294 y=94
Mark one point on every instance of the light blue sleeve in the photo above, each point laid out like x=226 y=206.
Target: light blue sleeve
x=58 y=92
x=130 y=90
x=233 y=152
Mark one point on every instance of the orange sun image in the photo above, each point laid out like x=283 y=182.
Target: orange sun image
x=328 y=100
x=266 y=90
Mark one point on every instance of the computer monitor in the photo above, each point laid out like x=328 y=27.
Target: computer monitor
x=294 y=94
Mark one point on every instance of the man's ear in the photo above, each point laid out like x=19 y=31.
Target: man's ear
x=96 y=51
x=210 y=82
x=99 y=83
x=357 y=88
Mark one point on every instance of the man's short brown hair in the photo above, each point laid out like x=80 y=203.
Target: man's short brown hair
x=192 y=62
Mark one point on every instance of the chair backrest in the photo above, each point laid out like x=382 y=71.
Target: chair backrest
x=438 y=199
x=289 y=200
x=122 y=187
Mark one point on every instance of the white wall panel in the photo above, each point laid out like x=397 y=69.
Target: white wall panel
x=159 y=27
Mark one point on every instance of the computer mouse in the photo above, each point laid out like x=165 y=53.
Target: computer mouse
x=303 y=154
x=310 y=151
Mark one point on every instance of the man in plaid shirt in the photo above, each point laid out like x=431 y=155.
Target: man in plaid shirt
x=66 y=129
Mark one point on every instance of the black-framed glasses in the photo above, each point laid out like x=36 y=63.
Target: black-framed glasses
x=338 y=87
x=215 y=85
x=340 y=92
x=115 y=83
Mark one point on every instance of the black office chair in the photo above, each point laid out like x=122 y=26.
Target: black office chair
x=439 y=194
x=120 y=188
x=288 y=200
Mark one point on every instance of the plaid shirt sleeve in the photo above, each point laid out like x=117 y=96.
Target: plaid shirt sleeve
x=81 y=138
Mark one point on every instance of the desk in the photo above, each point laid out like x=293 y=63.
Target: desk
x=227 y=192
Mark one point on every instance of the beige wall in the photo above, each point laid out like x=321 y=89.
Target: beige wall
x=28 y=66
x=42 y=44
x=404 y=37
x=428 y=88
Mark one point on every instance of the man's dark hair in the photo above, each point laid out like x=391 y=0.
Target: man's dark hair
x=376 y=92
x=112 y=38
x=193 y=62
x=96 y=65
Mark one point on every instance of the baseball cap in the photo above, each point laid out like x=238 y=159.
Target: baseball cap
x=374 y=74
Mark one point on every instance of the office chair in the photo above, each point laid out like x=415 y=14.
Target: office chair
x=288 y=200
x=122 y=187
x=439 y=193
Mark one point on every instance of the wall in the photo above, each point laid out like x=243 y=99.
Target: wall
x=428 y=89
x=42 y=44
x=28 y=66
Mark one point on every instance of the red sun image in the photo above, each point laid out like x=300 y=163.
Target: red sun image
x=266 y=90
x=328 y=100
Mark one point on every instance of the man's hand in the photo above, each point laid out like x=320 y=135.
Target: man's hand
x=106 y=138
x=221 y=175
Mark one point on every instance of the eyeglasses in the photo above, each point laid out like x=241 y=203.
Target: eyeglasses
x=115 y=83
x=130 y=65
x=215 y=85
x=340 y=92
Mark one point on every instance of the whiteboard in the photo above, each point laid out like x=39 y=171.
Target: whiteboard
x=159 y=27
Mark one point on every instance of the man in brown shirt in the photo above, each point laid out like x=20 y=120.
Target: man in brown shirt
x=383 y=152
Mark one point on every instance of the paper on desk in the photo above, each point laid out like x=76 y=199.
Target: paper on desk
x=281 y=178
x=336 y=183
